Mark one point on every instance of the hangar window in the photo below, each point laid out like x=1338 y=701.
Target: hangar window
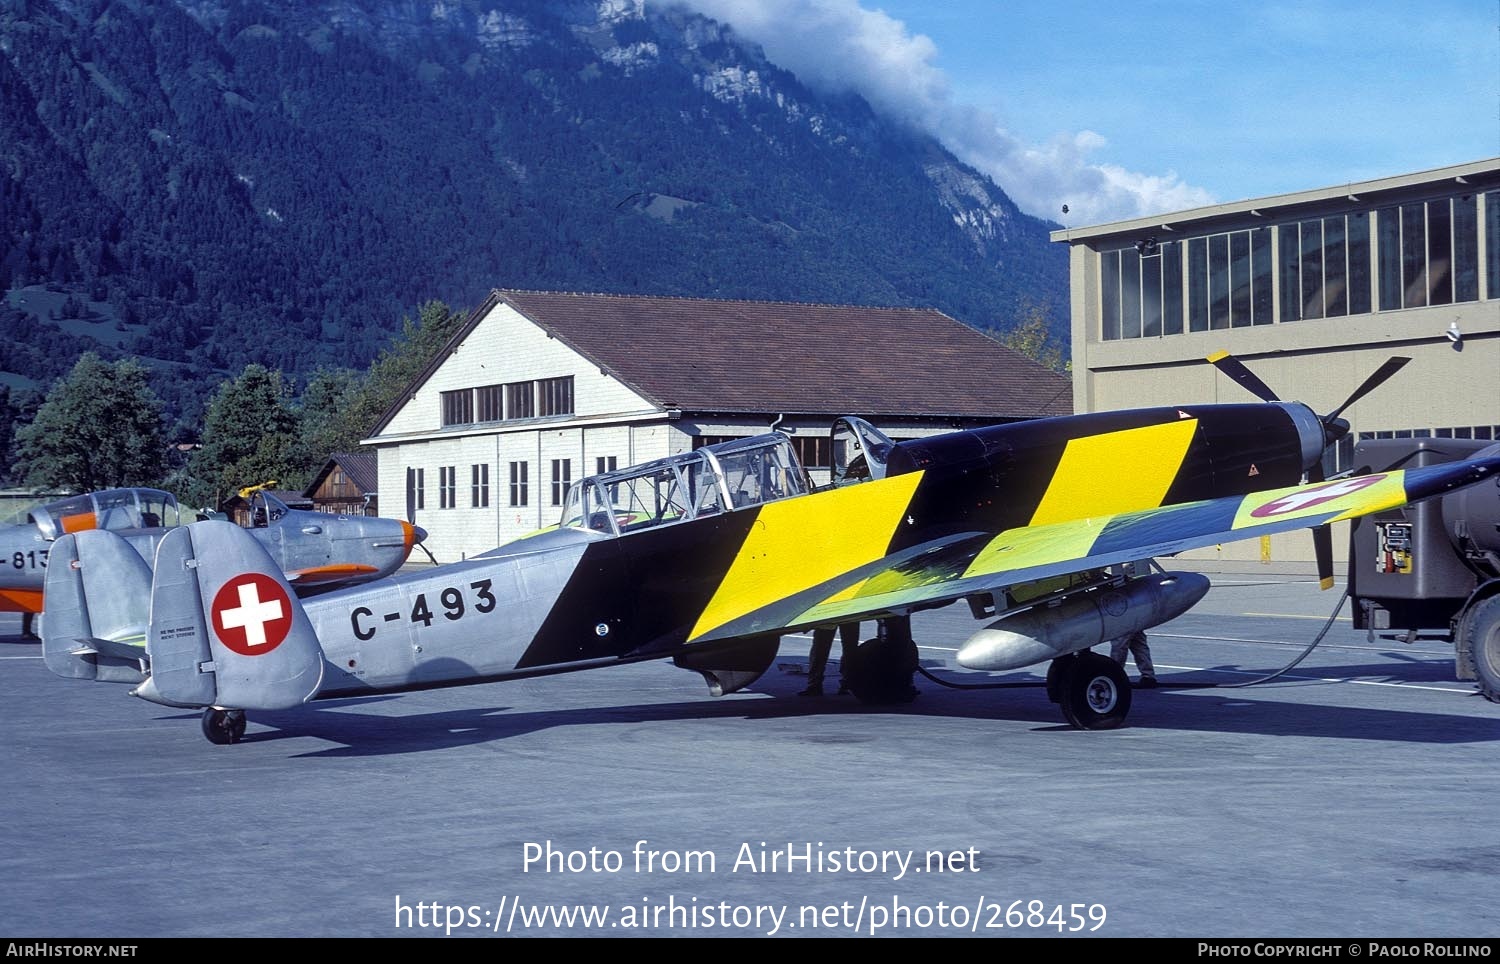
x=1429 y=252
x=520 y=400
x=447 y=486
x=491 y=399
x=1325 y=267
x=458 y=407
x=415 y=497
x=1207 y=283
x=479 y=485
x=562 y=477
x=1492 y=243
x=518 y=483
x=555 y=396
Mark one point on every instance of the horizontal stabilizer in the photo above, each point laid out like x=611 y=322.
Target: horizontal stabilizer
x=97 y=593
x=119 y=650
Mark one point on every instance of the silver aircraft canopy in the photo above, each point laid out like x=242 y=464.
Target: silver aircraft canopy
x=715 y=478
x=112 y=509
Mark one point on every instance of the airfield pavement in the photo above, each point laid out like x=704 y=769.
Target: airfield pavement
x=1349 y=798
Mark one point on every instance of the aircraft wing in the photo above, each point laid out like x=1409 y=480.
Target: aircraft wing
x=975 y=563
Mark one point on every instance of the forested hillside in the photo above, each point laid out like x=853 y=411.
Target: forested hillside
x=210 y=184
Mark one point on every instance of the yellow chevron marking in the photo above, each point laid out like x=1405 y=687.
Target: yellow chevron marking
x=1115 y=472
x=1020 y=548
x=799 y=543
x=850 y=591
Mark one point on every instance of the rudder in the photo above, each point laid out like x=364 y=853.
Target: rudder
x=226 y=630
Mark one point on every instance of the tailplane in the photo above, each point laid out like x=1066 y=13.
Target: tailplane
x=97 y=597
x=223 y=629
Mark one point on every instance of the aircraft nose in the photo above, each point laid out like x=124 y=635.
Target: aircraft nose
x=411 y=535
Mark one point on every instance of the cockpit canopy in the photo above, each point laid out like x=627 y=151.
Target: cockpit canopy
x=112 y=509
x=715 y=478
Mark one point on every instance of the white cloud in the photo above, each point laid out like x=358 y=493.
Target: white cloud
x=839 y=45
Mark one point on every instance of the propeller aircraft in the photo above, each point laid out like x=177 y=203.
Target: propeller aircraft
x=708 y=557
x=313 y=550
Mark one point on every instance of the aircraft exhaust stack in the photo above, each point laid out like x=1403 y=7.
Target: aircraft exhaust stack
x=1082 y=622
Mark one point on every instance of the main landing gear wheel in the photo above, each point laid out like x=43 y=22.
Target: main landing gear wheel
x=223 y=726
x=1481 y=636
x=1093 y=690
x=881 y=669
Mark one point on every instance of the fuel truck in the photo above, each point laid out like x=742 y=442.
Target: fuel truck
x=1433 y=568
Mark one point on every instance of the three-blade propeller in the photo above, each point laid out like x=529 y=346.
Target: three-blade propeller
x=1334 y=429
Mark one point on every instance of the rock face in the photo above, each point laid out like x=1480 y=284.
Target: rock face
x=220 y=182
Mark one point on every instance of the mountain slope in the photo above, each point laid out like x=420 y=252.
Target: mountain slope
x=280 y=182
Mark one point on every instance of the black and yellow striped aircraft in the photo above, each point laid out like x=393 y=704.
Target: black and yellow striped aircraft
x=708 y=558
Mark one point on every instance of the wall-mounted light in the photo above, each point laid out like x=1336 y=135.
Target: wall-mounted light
x=1145 y=246
x=1453 y=333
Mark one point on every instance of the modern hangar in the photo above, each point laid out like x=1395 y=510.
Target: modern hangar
x=537 y=389
x=1313 y=291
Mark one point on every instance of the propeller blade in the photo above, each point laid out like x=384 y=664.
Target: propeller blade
x=411 y=495
x=1392 y=365
x=1235 y=369
x=1323 y=553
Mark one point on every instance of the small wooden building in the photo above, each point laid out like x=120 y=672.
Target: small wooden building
x=347 y=484
x=239 y=509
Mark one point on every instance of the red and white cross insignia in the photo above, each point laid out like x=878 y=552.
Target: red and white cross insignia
x=1315 y=495
x=252 y=614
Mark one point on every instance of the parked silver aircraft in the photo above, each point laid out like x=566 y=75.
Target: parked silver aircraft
x=707 y=558
x=313 y=549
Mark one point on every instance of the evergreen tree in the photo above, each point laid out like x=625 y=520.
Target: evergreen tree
x=397 y=367
x=249 y=437
x=100 y=427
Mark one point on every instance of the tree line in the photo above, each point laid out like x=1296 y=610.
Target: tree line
x=102 y=426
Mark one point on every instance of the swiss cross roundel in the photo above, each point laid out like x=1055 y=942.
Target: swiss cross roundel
x=1315 y=496
x=252 y=614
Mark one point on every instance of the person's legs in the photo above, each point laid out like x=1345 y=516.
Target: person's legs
x=848 y=643
x=817 y=660
x=1141 y=653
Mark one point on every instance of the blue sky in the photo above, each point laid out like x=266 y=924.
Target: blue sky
x=1125 y=109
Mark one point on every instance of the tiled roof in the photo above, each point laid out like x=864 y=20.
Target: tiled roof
x=361 y=467
x=705 y=355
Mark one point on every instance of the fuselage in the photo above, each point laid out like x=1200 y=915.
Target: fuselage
x=314 y=549
x=574 y=598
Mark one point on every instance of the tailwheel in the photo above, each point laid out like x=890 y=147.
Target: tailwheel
x=223 y=726
x=1093 y=690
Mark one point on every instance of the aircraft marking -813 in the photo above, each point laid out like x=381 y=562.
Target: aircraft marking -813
x=315 y=550
x=707 y=558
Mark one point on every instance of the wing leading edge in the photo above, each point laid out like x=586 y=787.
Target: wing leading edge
x=983 y=563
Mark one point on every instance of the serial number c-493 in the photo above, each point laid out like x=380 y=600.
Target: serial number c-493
x=451 y=602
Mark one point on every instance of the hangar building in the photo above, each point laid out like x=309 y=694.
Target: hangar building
x=538 y=389
x=1313 y=291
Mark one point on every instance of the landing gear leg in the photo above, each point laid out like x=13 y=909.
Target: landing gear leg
x=881 y=669
x=223 y=726
x=1093 y=690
